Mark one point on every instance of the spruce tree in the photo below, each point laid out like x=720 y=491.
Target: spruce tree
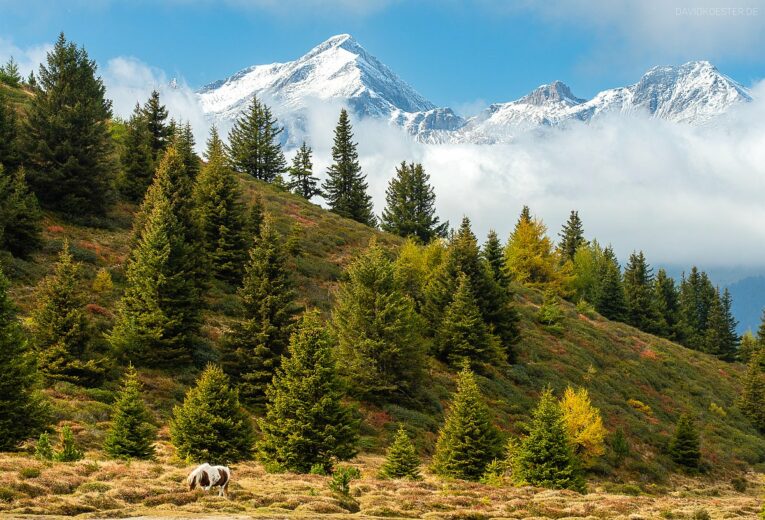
x=638 y=279
x=137 y=158
x=255 y=217
x=610 y=297
x=492 y=298
x=401 y=460
x=410 y=205
x=154 y=114
x=211 y=426
x=571 y=237
x=665 y=301
x=9 y=73
x=545 y=457
x=752 y=399
x=732 y=338
x=720 y=337
x=20 y=216
x=346 y=187
x=183 y=141
x=684 y=445
x=302 y=180
x=60 y=328
x=131 y=434
x=68 y=149
x=492 y=252
x=158 y=315
x=24 y=412
x=761 y=330
x=463 y=336
x=254 y=346
x=381 y=352
x=468 y=441
x=306 y=424
x=220 y=213
x=696 y=298
x=10 y=156
x=254 y=143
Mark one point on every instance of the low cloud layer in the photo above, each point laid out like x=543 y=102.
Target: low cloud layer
x=682 y=194
x=681 y=30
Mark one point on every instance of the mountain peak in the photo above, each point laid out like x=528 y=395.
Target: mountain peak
x=555 y=92
x=338 y=41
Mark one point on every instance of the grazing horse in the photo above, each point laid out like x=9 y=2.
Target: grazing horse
x=206 y=477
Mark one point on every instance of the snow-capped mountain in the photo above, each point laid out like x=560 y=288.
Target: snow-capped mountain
x=693 y=93
x=338 y=70
x=341 y=71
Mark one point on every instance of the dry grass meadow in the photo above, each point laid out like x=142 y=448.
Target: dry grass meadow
x=112 y=489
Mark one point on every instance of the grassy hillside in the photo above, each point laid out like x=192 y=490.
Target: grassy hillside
x=640 y=382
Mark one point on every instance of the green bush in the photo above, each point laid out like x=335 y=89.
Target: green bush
x=739 y=484
x=31 y=472
x=43 y=449
x=69 y=452
x=342 y=478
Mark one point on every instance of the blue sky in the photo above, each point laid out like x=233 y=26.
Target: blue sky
x=456 y=53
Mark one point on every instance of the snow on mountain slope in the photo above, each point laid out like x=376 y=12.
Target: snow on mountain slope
x=338 y=69
x=341 y=71
x=693 y=93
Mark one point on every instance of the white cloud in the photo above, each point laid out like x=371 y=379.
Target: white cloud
x=682 y=194
x=658 y=29
x=129 y=81
x=28 y=59
x=685 y=195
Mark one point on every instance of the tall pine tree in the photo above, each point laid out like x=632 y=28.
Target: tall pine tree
x=463 y=335
x=684 y=445
x=210 y=425
x=345 y=188
x=131 y=434
x=665 y=301
x=302 y=180
x=60 y=328
x=220 y=213
x=254 y=346
x=10 y=156
x=158 y=315
x=68 y=149
x=24 y=412
x=468 y=441
x=183 y=141
x=380 y=347
x=638 y=279
x=571 y=237
x=154 y=115
x=410 y=205
x=137 y=158
x=610 y=301
x=306 y=424
x=493 y=254
x=545 y=457
x=20 y=217
x=254 y=143
x=752 y=399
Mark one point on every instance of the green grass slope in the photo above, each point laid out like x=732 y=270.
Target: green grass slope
x=641 y=383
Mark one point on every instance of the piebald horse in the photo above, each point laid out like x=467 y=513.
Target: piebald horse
x=206 y=477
